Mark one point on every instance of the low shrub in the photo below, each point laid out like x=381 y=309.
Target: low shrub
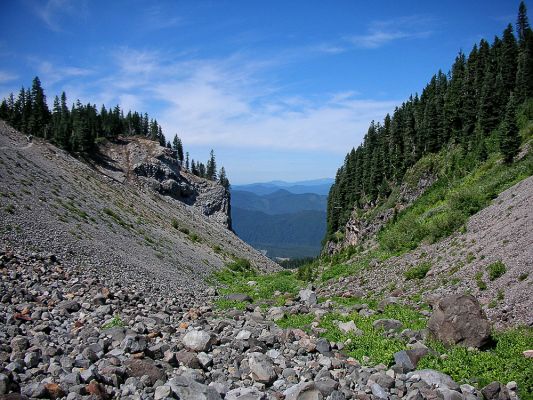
x=418 y=272
x=496 y=269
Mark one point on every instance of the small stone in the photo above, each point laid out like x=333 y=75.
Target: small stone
x=162 y=392
x=243 y=335
x=387 y=324
x=348 y=327
x=379 y=392
x=323 y=346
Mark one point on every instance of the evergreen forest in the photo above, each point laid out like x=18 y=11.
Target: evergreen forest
x=474 y=108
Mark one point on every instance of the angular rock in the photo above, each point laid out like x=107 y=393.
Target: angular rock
x=308 y=297
x=163 y=392
x=247 y=393
x=138 y=368
x=408 y=359
x=379 y=392
x=387 y=324
x=261 y=368
x=495 y=391
x=349 y=327
x=303 y=391
x=239 y=297
x=459 y=319
x=197 y=340
x=435 y=378
x=189 y=359
x=187 y=388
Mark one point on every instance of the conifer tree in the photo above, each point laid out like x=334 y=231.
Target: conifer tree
x=211 y=170
x=39 y=114
x=223 y=179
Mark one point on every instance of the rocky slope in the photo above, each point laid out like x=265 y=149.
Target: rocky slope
x=120 y=228
x=67 y=333
x=501 y=232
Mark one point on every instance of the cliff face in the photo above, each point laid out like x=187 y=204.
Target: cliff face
x=365 y=223
x=144 y=163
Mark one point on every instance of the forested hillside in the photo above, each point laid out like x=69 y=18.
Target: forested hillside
x=80 y=128
x=472 y=111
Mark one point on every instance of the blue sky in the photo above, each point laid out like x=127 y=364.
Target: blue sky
x=280 y=89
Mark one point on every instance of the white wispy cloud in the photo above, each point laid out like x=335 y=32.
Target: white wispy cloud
x=51 y=74
x=6 y=76
x=224 y=102
x=382 y=32
x=51 y=12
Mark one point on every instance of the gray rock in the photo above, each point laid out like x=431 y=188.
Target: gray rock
x=408 y=359
x=323 y=346
x=379 y=392
x=187 y=388
x=261 y=368
x=448 y=394
x=133 y=344
x=239 y=297
x=387 y=324
x=243 y=335
x=303 y=391
x=246 y=393
x=349 y=327
x=308 y=297
x=19 y=344
x=197 y=340
x=70 y=306
x=435 y=378
x=459 y=319
x=326 y=385
x=32 y=359
x=4 y=384
x=383 y=380
x=495 y=391
x=163 y=392
x=276 y=313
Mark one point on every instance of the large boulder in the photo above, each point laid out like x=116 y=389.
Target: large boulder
x=459 y=319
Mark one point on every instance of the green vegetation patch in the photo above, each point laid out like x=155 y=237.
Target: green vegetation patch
x=296 y=321
x=372 y=343
x=447 y=205
x=496 y=269
x=418 y=272
x=116 y=322
x=240 y=277
x=504 y=363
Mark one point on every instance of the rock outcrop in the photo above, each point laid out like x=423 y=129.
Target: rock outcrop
x=145 y=163
x=361 y=227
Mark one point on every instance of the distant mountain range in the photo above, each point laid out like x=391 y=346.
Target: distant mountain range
x=285 y=219
x=316 y=186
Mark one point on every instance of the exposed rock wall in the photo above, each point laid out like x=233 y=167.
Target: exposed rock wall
x=143 y=162
x=361 y=227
